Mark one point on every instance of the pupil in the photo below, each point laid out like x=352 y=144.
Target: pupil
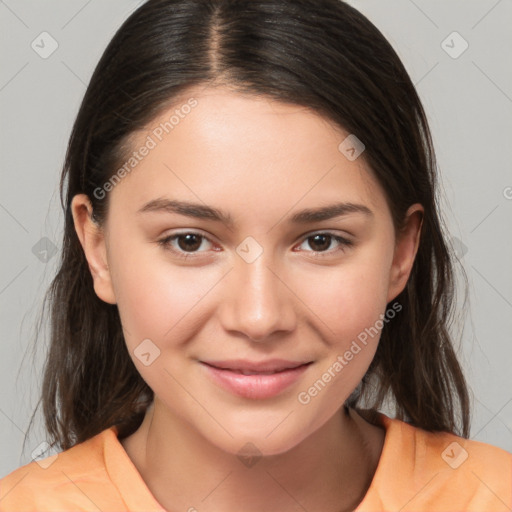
x=325 y=237
x=188 y=246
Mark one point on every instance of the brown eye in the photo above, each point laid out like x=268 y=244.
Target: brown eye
x=320 y=243
x=187 y=244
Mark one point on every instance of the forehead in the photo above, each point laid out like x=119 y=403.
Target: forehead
x=250 y=152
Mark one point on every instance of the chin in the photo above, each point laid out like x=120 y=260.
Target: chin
x=246 y=445
x=267 y=437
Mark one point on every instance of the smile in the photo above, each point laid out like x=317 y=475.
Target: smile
x=246 y=381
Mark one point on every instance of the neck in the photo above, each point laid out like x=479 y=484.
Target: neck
x=330 y=470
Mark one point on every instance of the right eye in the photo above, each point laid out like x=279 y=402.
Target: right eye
x=186 y=241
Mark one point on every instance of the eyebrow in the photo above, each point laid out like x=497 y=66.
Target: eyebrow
x=201 y=211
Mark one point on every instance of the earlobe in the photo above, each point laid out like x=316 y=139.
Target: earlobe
x=406 y=248
x=92 y=239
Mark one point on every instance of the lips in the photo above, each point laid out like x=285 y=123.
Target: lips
x=271 y=365
x=253 y=367
x=255 y=379
x=251 y=372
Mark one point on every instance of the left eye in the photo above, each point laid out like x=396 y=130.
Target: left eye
x=325 y=239
x=189 y=242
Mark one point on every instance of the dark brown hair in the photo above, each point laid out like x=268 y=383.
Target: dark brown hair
x=321 y=54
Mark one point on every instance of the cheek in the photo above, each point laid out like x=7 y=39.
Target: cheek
x=155 y=297
x=348 y=298
x=350 y=303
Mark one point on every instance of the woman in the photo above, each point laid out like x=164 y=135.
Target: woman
x=252 y=252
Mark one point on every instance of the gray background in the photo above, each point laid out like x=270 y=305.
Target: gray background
x=468 y=100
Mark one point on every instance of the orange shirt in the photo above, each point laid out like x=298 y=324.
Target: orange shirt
x=417 y=471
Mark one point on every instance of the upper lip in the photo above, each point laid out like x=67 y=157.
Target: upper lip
x=270 y=365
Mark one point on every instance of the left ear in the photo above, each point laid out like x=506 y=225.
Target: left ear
x=406 y=247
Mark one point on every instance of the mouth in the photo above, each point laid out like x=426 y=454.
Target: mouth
x=255 y=380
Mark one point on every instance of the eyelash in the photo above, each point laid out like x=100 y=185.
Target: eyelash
x=165 y=243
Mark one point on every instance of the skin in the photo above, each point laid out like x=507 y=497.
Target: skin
x=261 y=161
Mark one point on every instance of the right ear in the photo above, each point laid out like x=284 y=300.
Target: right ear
x=93 y=243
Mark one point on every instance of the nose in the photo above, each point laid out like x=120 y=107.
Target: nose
x=259 y=301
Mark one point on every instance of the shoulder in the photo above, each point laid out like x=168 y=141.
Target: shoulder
x=476 y=474
x=442 y=450
x=75 y=479
x=424 y=471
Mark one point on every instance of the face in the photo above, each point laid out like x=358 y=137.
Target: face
x=244 y=312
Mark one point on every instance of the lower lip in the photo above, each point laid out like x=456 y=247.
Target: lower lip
x=255 y=386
